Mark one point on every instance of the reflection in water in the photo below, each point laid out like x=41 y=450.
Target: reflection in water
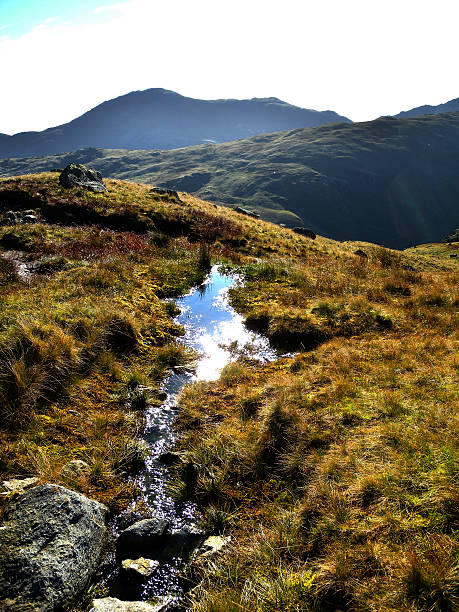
x=211 y=324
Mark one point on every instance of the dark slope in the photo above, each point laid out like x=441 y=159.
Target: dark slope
x=389 y=181
x=448 y=107
x=161 y=119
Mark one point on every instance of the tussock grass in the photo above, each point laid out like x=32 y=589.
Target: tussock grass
x=339 y=463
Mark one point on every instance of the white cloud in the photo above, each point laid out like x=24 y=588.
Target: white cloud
x=360 y=58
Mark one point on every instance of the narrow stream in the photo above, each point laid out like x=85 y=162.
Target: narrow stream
x=211 y=325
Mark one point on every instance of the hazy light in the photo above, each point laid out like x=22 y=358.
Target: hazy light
x=362 y=59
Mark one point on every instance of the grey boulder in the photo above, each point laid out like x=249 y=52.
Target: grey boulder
x=51 y=539
x=143 y=536
x=77 y=175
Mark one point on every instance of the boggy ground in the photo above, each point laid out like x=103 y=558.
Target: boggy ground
x=86 y=333
x=332 y=469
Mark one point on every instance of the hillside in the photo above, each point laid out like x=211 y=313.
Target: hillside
x=389 y=181
x=448 y=107
x=333 y=468
x=161 y=119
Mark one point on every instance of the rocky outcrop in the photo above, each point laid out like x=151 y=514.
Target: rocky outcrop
x=170 y=193
x=247 y=213
x=305 y=231
x=51 y=539
x=77 y=175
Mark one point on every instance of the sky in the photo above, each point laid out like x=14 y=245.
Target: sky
x=360 y=58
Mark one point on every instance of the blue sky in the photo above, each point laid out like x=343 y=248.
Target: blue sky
x=360 y=58
x=19 y=16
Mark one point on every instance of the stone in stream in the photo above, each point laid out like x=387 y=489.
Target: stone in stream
x=169 y=458
x=111 y=604
x=150 y=537
x=145 y=535
x=141 y=567
x=51 y=540
x=77 y=175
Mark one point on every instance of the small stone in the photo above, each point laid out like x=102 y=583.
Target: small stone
x=142 y=566
x=30 y=219
x=111 y=604
x=453 y=255
x=213 y=545
x=169 y=458
x=18 y=484
x=73 y=470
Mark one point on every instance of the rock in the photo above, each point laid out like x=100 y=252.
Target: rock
x=304 y=231
x=213 y=545
x=73 y=470
x=244 y=211
x=10 y=240
x=143 y=536
x=77 y=175
x=51 y=540
x=18 y=484
x=29 y=219
x=180 y=543
x=452 y=255
x=169 y=458
x=12 y=217
x=361 y=253
x=111 y=604
x=143 y=567
x=171 y=193
x=408 y=267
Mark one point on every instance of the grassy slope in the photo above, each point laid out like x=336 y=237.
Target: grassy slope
x=334 y=469
x=389 y=181
x=82 y=340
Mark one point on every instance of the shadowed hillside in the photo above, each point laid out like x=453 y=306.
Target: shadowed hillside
x=389 y=181
x=161 y=119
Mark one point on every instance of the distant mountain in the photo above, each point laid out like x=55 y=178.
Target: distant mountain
x=161 y=119
x=390 y=181
x=448 y=107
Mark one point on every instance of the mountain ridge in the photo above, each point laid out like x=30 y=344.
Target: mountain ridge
x=163 y=119
x=390 y=181
x=451 y=106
